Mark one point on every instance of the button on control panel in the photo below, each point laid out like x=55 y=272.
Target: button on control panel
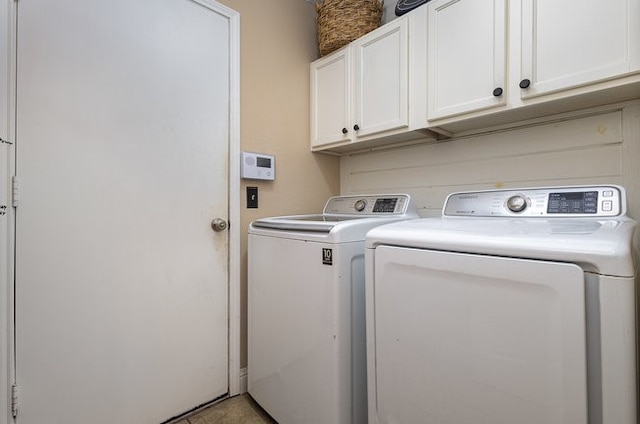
x=517 y=203
x=578 y=201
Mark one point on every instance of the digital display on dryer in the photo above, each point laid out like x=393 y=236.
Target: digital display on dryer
x=385 y=205
x=573 y=202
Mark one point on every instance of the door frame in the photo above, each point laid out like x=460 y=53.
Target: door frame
x=7 y=221
x=8 y=50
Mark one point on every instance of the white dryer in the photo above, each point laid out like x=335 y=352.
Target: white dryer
x=306 y=341
x=514 y=307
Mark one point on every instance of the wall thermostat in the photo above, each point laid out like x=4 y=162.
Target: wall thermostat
x=258 y=166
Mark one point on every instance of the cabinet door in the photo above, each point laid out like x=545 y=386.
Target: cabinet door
x=330 y=99
x=381 y=101
x=466 y=56
x=571 y=43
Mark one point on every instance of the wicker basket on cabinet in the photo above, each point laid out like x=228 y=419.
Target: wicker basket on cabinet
x=339 y=22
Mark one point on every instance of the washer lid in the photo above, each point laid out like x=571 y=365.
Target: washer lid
x=603 y=246
x=315 y=223
x=585 y=225
x=345 y=209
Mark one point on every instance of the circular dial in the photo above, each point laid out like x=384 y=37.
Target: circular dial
x=517 y=203
x=360 y=205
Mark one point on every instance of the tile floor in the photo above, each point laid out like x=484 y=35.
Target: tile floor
x=236 y=410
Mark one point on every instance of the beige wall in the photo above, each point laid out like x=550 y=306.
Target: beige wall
x=277 y=44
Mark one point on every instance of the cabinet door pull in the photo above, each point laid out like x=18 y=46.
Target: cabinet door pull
x=497 y=92
x=525 y=83
x=356 y=127
x=344 y=131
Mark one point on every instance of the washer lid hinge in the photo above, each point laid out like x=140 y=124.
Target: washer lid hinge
x=14 y=191
x=14 y=400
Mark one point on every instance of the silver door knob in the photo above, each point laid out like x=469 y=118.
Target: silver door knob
x=219 y=224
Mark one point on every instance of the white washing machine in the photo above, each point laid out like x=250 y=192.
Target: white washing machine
x=514 y=307
x=306 y=309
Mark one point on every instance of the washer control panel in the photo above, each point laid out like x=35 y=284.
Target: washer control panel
x=578 y=201
x=394 y=204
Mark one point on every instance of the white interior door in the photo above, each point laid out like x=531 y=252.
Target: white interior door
x=122 y=157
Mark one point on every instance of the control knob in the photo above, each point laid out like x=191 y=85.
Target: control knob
x=517 y=203
x=360 y=205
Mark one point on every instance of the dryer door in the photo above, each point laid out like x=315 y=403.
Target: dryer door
x=473 y=339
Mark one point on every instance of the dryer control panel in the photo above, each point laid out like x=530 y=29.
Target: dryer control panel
x=392 y=204
x=576 y=201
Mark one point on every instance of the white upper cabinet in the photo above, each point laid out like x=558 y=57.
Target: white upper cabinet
x=331 y=99
x=466 y=58
x=572 y=43
x=372 y=91
x=457 y=67
x=381 y=79
x=496 y=62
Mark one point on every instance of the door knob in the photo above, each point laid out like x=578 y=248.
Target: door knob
x=218 y=224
